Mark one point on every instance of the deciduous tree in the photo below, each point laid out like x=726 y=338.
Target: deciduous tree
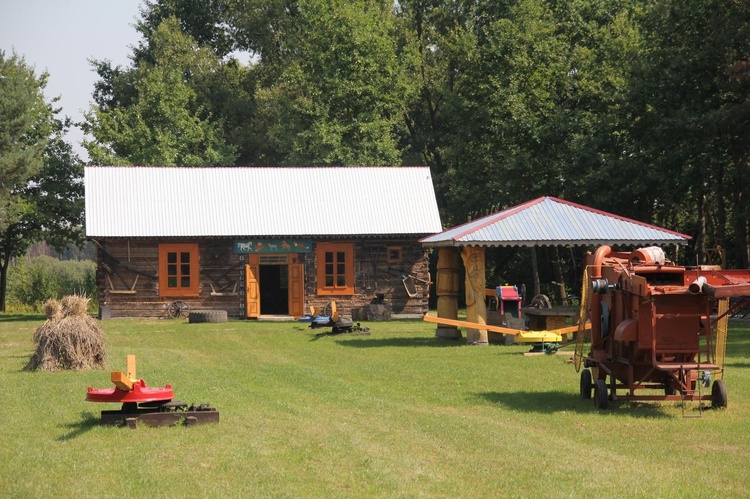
x=42 y=192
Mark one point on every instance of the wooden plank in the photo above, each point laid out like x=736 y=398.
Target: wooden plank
x=151 y=418
x=130 y=367
x=121 y=381
x=472 y=325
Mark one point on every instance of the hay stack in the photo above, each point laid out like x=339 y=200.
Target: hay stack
x=69 y=339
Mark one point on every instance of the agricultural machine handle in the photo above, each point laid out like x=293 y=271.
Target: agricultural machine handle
x=724 y=291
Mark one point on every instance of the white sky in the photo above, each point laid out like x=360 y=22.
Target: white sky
x=59 y=36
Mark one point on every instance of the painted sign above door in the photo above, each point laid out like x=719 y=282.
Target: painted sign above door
x=272 y=245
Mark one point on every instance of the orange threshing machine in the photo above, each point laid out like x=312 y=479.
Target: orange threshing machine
x=658 y=330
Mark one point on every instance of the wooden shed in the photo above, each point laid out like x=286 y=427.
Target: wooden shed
x=261 y=242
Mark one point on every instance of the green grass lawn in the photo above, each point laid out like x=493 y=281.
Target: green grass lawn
x=394 y=413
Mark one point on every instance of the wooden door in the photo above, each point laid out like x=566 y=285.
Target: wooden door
x=296 y=290
x=252 y=288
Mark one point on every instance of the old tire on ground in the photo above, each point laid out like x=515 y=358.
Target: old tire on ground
x=213 y=316
x=586 y=384
x=719 y=394
x=601 y=400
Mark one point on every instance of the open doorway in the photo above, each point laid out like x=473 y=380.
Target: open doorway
x=274 y=285
x=274 y=289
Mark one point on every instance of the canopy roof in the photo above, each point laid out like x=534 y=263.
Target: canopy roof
x=549 y=221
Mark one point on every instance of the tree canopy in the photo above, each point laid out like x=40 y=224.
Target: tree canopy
x=636 y=108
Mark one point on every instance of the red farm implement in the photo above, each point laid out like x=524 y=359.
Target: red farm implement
x=658 y=330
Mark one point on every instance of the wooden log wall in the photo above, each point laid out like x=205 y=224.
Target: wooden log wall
x=124 y=264
x=374 y=275
x=120 y=262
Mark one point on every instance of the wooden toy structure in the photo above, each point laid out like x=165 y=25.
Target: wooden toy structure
x=149 y=405
x=658 y=330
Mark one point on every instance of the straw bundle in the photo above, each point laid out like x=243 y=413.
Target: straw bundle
x=69 y=339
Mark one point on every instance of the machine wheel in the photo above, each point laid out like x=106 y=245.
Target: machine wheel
x=540 y=301
x=586 y=384
x=601 y=400
x=719 y=394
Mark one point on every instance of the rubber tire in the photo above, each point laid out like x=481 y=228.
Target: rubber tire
x=719 y=394
x=212 y=316
x=601 y=399
x=587 y=384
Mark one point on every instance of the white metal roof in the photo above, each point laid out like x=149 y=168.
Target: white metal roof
x=248 y=201
x=552 y=221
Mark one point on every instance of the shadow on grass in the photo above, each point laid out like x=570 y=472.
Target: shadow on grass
x=86 y=423
x=397 y=342
x=551 y=402
x=22 y=317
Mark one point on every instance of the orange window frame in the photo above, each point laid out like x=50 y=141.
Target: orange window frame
x=335 y=268
x=178 y=269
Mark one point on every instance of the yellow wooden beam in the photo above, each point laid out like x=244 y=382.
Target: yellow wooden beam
x=121 y=381
x=526 y=335
x=130 y=367
x=472 y=325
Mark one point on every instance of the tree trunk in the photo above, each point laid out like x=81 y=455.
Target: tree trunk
x=3 y=281
x=535 y=272
x=740 y=214
x=558 y=273
x=700 y=243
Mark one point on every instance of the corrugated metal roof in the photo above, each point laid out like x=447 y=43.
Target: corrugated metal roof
x=248 y=201
x=552 y=221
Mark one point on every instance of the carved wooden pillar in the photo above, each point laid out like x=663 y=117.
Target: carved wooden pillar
x=476 y=311
x=446 y=286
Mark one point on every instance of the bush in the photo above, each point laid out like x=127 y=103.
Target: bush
x=33 y=281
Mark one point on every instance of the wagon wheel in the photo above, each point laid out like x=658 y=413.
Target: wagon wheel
x=719 y=394
x=587 y=384
x=178 y=310
x=541 y=301
x=600 y=394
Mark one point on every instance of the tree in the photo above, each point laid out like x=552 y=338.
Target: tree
x=25 y=119
x=333 y=90
x=159 y=120
x=690 y=105
x=42 y=188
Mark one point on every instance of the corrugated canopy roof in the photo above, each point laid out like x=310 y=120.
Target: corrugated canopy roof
x=550 y=221
x=247 y=201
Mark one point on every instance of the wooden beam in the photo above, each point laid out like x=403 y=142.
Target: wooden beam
x=121 y=381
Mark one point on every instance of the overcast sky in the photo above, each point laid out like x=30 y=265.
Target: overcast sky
x=59 y=36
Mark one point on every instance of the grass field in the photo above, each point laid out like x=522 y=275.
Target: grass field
x=397 y=413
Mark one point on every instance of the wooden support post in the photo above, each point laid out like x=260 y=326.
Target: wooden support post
x=446 y=286
x=476 y=311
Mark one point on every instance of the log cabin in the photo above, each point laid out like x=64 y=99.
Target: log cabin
x=260 y=242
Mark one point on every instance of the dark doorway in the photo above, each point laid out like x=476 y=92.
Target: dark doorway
x=274 y=289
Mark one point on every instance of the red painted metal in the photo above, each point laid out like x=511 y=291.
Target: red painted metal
x=140 y=393
x=651 y=326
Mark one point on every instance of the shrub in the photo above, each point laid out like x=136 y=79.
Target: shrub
x=33 y=281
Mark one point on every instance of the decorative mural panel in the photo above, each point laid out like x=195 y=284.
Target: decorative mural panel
x=273 y=245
